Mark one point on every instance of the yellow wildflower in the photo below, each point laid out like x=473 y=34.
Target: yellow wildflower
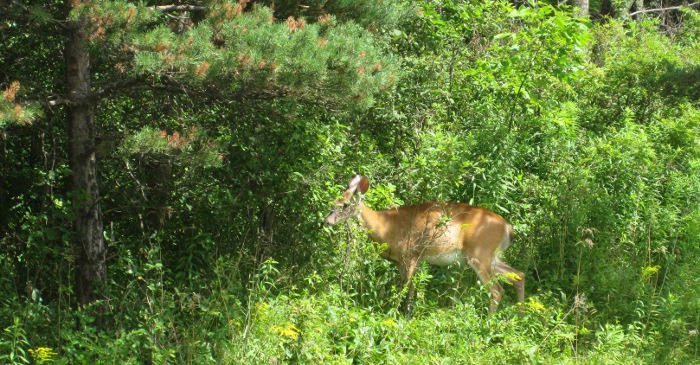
x=43 y=354
x=533 y=305
x=389 y=323
x=262 y=307
x=288 y=331
x=510 y=277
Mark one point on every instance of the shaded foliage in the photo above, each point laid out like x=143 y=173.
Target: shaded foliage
x=216 y=171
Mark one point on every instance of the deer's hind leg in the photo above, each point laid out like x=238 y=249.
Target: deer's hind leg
x=485 y=272
x=512 y=276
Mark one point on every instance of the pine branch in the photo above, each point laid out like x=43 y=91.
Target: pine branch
x=658 y=10
x=28 y=12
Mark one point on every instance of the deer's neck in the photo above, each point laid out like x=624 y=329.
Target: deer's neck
x=374 y=222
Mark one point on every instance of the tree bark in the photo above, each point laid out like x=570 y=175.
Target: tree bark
x=630 y=6
x=88 y=241
x=582 y=5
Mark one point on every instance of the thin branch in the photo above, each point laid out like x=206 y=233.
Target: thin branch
x=658 y=10
x=56 y=101
x=167 y=8
x=109 y=89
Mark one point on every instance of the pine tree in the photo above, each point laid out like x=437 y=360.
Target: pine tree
x=328 y=55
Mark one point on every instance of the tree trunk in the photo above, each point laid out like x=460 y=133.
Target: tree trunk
x=88 y=242
x=582 y=5
x=628 y=7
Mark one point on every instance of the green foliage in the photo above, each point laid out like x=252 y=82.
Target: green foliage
x=222 y=138
x=328 y=326
x=14 y=343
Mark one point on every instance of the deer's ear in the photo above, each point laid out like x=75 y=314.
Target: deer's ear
x=352 y=185
x=363 y=185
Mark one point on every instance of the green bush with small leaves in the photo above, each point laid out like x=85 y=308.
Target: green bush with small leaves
x=225 y=130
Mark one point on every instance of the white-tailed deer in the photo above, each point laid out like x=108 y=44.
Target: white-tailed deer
x=439 y=233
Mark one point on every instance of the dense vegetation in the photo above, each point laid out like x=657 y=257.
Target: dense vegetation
x=219 y=133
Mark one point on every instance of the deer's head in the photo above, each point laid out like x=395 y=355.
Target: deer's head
x=346 y=206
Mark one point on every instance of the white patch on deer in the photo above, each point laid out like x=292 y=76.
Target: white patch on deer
x=447 y=259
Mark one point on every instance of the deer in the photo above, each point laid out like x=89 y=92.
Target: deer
x=441 y=234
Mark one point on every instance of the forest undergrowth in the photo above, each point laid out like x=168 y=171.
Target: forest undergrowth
x=224 y=132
